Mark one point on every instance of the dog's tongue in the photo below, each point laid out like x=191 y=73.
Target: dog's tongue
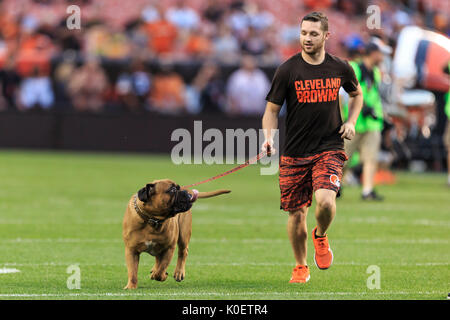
x=194 y=195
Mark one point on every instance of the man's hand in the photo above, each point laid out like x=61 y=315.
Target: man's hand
x=347 y=131
x=268 y=147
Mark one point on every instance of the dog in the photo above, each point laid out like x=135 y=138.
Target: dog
x=157 y=218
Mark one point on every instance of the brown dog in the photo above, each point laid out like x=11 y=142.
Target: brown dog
x=158 y=218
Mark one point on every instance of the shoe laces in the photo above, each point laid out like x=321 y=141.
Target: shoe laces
x=322 y=244
x=300 y=269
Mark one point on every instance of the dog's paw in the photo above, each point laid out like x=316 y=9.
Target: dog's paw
x=158 y=276
x=179 y=275
x=130 y=287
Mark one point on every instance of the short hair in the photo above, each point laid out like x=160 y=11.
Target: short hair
x=317 y=16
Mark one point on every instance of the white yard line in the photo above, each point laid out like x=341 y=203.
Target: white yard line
x=8 y=270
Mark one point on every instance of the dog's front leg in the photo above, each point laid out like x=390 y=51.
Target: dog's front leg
x=159 y=271
x=132 y=260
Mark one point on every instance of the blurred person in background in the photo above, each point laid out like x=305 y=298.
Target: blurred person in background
x=36 y=92
x=151 y=12
x=133 y=87
x=237 y=19
x=247 y=88
x=225 y=45
x=162 y=35
x=9 y=84
x=167 y=94
x=213 y=11
x=106 y=41
x=369 y=124
x=253 y=43
x=260 y=18
x=206 y=93
x=183 y=16
x=61 y=77
x=35 y=50
x=87 y=86
x=198 y=45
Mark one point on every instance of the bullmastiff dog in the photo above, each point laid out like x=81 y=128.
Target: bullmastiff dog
x=158 y=217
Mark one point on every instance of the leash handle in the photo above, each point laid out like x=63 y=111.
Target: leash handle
x=245 y=164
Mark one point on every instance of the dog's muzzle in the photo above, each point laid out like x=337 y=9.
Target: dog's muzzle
x=182 y=202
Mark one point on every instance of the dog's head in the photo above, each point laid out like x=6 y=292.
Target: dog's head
x=164 y=198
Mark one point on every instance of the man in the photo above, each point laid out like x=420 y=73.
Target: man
x=247 y=88
x=370 y=122
x=313 y=155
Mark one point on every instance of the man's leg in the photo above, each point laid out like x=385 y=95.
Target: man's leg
x=298 y=234
x=325 y=212
x=326 y=175
x=370 y=147
x=296 y=196
x=325 y=209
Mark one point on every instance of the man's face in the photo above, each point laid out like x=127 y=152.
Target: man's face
x=377 y=57
x=312 y=37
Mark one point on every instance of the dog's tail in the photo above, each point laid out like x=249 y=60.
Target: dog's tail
x=210 y=194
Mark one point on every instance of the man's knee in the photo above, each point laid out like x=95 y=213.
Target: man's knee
x=298 y=216
x=327 y=203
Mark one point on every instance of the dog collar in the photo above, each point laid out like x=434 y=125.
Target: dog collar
x=155 y=223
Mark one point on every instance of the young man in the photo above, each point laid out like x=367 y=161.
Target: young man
x=313 y=155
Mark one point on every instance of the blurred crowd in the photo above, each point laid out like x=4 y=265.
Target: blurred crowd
x=125 y=55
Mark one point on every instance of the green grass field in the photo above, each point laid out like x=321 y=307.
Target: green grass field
x=59 y=209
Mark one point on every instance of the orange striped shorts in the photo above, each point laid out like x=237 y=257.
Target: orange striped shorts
x=301 y=177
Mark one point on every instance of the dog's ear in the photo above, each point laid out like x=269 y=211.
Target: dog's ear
x=146 y=192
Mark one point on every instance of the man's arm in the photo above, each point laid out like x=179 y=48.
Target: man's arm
x=269 y=125
x=355 y=104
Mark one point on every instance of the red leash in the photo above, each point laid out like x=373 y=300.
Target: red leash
x=248 y=162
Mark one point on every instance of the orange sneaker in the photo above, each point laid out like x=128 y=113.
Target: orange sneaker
x=323 y=256
x=300 y=274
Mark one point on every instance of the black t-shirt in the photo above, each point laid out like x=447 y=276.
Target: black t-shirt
x=312 y=98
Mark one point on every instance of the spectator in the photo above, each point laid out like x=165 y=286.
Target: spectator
x=103 y=41
x=9 y=84
x=162 y=35
x=253 y=43
x=151 y=13
x=87 y=86
x=198 y=44
x=167 y=94
x=36 y=92
x=238 y=21
x=138 y=39
x=183 y=16
x=213 y=11
x=247 y=89
x=62 y=75
x=133 y=88
x=225 y=45
x=259 y=19
x=206 y=94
